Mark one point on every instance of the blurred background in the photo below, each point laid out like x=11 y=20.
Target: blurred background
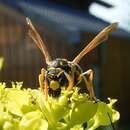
x=67 y=27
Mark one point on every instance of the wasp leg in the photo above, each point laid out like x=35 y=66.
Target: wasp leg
x=71 y=82
x=89 y=82
x=43 y=83
x=41 y=79
x=46 y=89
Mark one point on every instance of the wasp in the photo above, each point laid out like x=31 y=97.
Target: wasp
x=63 y=73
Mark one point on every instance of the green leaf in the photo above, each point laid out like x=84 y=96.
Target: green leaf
x=33 y=121
x=4 y=117
x=16 y=99
x=7 y=126
x=83 y=112
x=77 y=127
x=54 y=109
x=104 y=116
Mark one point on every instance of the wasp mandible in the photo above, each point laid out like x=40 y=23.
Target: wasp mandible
x=63 y=73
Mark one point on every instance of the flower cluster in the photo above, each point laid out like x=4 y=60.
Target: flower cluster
x=27 y=109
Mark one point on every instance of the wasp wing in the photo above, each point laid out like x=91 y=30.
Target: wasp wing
x=37 y=39
x=102 y=36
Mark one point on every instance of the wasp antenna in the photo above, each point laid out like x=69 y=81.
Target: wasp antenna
x=102 y=36
x=38 y=41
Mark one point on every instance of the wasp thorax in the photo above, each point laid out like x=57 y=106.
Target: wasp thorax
x=60 y=63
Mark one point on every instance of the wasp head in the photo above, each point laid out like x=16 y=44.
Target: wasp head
x=56 y=74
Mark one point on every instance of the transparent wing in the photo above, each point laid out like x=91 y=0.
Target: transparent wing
x=102 y=36
x=38 y=41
